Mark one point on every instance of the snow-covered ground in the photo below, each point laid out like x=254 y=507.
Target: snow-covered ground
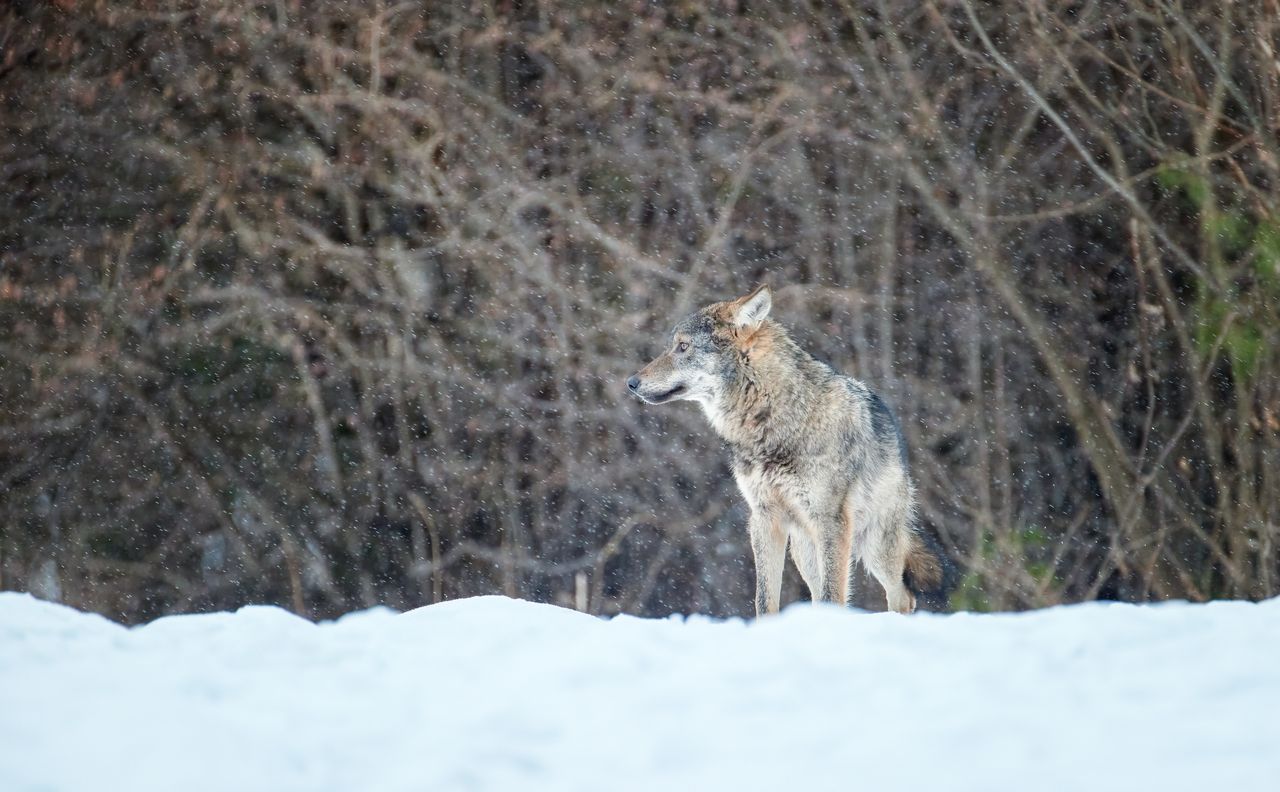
x=497 y=694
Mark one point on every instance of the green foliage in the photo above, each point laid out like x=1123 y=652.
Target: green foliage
x=1176 y=177
x=1244 y=318
x=995 y=554
x=1266 y=261
x=972 y=594
x=1243 y=340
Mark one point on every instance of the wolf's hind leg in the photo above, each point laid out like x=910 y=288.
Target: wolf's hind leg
x=888 y=572
x=885 y=552
x=899 y=598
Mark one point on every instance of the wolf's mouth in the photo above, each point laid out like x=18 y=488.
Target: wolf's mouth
x=666 y=396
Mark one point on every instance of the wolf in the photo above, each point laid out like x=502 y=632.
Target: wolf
x=819 y=458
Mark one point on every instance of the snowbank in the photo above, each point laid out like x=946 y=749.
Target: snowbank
x=497 y=694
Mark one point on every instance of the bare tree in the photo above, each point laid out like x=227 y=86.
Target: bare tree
x=328 y=304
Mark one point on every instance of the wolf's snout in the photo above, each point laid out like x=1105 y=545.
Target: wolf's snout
x=633 y=382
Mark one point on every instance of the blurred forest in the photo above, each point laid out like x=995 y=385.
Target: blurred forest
x=329 y=304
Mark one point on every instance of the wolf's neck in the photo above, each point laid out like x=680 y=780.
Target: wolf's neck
x=770 y=397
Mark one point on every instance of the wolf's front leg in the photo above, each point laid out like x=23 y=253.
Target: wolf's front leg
x=838 y=556
x=769 y=546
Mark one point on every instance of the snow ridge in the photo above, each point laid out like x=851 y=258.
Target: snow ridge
x=498 y=694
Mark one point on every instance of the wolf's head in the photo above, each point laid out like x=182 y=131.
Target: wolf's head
x=704 y=351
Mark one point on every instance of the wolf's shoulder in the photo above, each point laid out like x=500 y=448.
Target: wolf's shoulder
x=852 y=387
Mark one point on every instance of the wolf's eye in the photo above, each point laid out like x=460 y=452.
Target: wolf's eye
x=683 y=346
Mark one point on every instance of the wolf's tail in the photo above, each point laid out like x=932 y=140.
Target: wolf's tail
x=929 y=573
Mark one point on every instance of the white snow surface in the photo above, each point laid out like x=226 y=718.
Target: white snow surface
x=500 y=694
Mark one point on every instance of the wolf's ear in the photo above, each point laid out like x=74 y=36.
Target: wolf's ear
x=753 y=308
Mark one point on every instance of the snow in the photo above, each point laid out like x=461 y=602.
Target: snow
x=500 y=694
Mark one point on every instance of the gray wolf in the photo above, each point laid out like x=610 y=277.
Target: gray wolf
x=819 y=458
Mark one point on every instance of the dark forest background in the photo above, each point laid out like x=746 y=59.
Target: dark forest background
x=329 y=304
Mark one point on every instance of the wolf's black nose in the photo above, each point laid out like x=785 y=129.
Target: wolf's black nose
x=633 y=383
